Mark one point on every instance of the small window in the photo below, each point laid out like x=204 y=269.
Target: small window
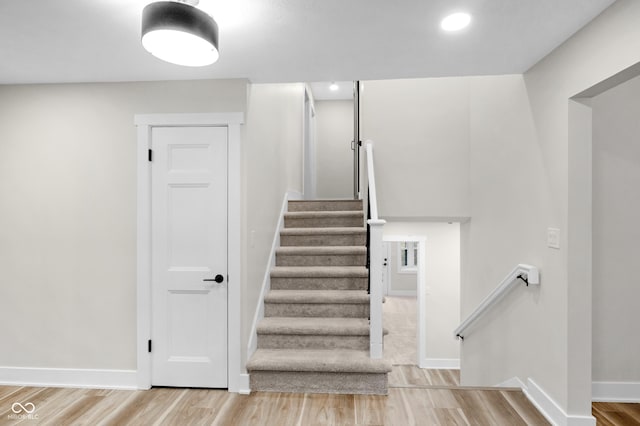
x=408 y=256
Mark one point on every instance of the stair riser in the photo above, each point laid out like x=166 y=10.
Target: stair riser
x=311 y=341
x=324 y=310
x=324 y=222
x=312 y=382
x=323 y=240
x=314 y=206
x=295 y=283
x=320 y=260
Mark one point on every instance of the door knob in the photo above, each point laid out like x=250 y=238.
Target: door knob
x=219 y=278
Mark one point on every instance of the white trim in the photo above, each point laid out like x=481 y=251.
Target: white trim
x=68 y=378
x=195 y=119
x=616 y=391
x=441 y=363
x=402 y=293
x=266 y=281
x=513 y=382
x=244 y=387
x=144 y=123
x=551 y=410
x=234 y=251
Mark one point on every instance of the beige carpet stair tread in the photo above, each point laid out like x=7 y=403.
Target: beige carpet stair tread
x=324 y=231
x=325 y=205
x=323 y=250
x=317 y=296
x=330 y=360
x=324 y=214
x=314 y=326
x=319 y=271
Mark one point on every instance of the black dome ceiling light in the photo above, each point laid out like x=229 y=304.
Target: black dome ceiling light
x=180 y=33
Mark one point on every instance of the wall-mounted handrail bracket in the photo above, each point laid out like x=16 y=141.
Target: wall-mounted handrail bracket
x=524 y=278
x=460 y=336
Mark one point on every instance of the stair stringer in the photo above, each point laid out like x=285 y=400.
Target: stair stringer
x=266 y=281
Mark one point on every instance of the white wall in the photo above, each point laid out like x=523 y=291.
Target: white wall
x=334 y=133
x=500 y=150
x=420 y=128
x=68 y=215
x=272 y=166
x=442 y=283
x=616 y=234
x=601 y=49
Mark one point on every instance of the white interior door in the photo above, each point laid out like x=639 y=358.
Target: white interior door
x=189 y=249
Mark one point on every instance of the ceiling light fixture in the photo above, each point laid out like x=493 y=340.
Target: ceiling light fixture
x=455 y=21
x=334 y=87
x=180 y=33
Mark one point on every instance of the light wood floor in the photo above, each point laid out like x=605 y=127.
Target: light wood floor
x=167 y=406
x=614 y=414
x=416 y=397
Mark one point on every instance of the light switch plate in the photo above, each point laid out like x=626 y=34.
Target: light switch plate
x=553 y=238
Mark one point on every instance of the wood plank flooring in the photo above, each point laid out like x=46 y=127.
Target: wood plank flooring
x=416 y=397
x=168 y=406
x=413 y=376
x=614 y=414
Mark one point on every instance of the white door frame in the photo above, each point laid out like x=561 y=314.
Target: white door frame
x=144 y=123
x=422 y=293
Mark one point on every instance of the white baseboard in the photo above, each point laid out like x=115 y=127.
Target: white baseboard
x=551 y=410
x=615 y=391
x=244 y=387
x=441 y=363
x=266 y=282
x=68 y=378
x=513 y=382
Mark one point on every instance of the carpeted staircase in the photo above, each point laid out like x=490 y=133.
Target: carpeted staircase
x=315 y=334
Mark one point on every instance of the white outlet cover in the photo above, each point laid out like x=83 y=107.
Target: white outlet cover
x=553 y=238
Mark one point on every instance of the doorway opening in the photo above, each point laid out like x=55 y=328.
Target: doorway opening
x=422 y=296
x=604 y=148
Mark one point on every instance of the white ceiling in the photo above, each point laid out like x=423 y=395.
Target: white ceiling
x=43 y=41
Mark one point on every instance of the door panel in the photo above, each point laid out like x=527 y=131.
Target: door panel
x=189 y=244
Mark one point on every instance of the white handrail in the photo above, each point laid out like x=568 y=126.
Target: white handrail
x=522 y=273
x=375 y=262
x=373 y=199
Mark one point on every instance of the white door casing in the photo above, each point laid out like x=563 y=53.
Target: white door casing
x=237 y=380
x=189 y=249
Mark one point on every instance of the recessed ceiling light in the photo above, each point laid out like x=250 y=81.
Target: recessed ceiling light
x=334 y=87
x=455 y=21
